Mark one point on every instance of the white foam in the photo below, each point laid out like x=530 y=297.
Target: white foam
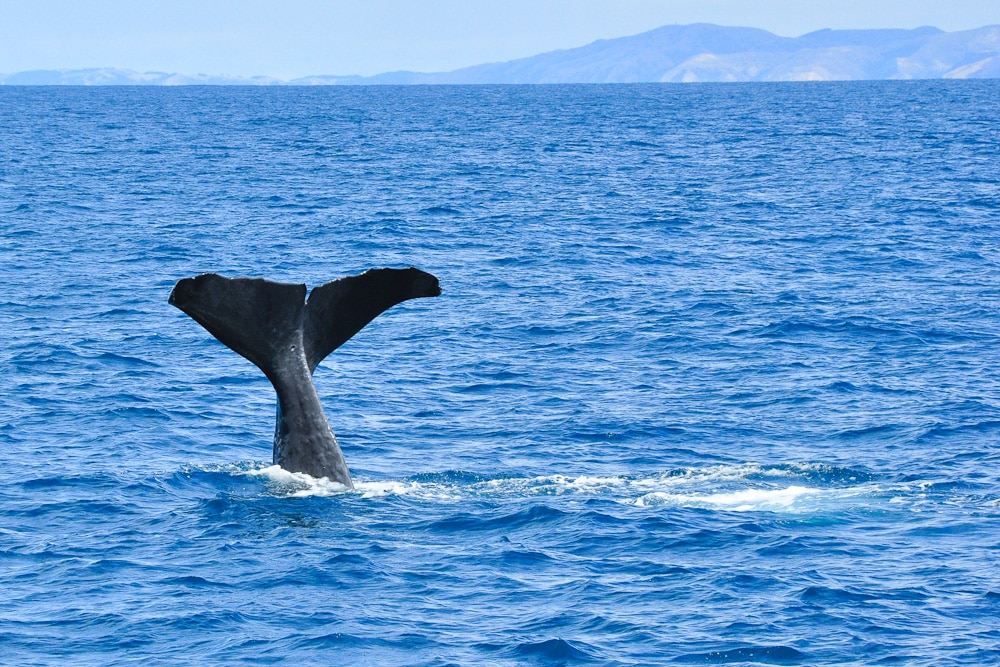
x=747 y=500
x=393 y=488
x=299 y=484
x=737 y=488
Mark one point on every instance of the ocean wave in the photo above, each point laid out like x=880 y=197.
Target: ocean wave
x=694 y=390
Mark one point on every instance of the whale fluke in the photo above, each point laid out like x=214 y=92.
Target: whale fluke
x=285 y=336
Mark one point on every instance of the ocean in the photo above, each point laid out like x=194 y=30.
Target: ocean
x=714 y=377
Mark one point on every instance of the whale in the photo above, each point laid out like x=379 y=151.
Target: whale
x=286 y=336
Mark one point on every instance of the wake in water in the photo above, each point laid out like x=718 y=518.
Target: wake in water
x=747 y=487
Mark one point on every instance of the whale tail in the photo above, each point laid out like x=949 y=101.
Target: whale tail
x=262 y=320
x=286 y=336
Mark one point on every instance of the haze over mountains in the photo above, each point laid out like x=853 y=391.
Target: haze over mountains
x=673 y=53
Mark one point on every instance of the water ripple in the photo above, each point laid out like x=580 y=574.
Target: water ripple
x=712 y=380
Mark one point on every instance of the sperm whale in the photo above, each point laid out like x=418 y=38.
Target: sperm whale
x=286 y=336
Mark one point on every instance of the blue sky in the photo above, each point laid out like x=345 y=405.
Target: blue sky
x=292 y=38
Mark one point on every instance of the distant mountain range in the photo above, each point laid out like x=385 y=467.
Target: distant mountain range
x=673 y=53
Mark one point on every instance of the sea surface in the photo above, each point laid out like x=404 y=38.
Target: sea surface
x=714 y=379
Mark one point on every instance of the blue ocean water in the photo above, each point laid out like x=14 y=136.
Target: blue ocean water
x=715 y=377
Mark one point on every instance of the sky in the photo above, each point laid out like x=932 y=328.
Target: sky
x=286 y=39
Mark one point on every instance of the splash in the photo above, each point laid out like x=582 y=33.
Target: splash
x=735 y=488
x=297 y=484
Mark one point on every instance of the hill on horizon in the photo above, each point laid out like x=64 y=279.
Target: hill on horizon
x=699 y=52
